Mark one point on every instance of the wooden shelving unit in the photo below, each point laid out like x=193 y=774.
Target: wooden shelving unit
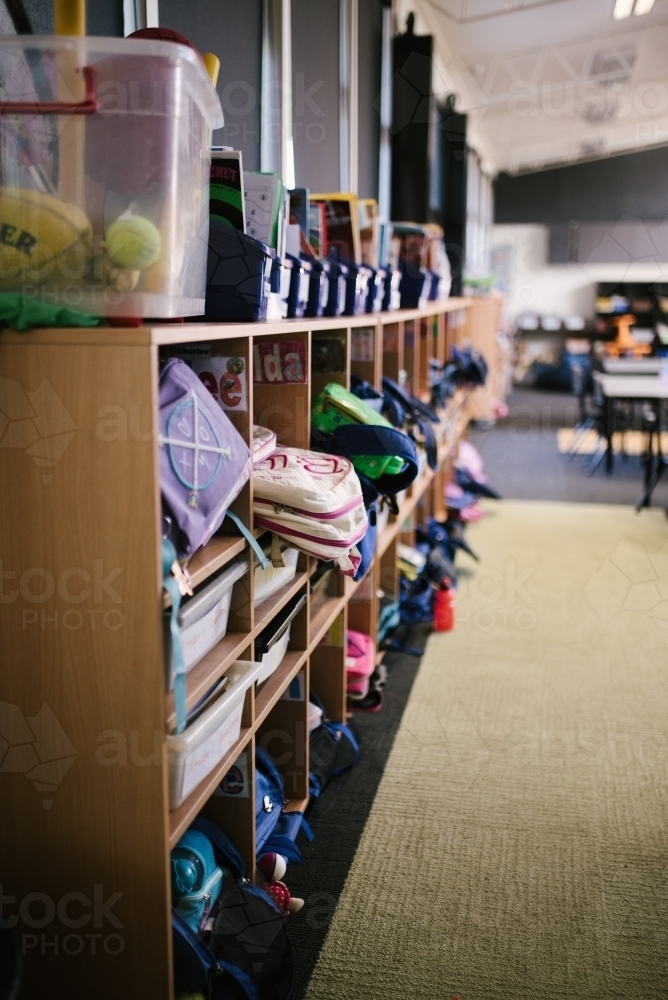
x=81 y=631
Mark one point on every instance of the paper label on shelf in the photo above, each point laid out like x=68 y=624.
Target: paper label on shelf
x=279 y=362
x=225 y=378
x=190 y=352
x=296 y=689
x=204 y=758
x=334 y=636
x=235 y=784
x=361 y=347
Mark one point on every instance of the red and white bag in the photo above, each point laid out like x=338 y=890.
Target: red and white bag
x=314 y=501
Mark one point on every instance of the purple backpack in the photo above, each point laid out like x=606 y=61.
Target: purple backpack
x=204 y=461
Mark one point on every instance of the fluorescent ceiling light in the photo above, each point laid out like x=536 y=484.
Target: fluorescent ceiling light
x=643 y=6
x=623 y=8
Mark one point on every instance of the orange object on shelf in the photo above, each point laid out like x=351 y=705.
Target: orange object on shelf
x=624 y=342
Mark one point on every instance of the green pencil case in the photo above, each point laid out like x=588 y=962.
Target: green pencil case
x=335 y=406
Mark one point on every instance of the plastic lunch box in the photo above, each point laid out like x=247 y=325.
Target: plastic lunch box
x=104 y=150
x=268 y=581
x=271 y=645
x=194 y=754
x=203 y=618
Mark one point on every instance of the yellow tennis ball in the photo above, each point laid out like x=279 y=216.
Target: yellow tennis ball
x=134 y=243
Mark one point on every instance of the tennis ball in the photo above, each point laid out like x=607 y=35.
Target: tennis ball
x=133 y=243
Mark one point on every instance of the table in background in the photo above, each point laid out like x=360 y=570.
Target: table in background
x=633 y=366
x=635 y=388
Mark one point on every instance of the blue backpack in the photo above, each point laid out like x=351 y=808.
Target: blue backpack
x=275 y=831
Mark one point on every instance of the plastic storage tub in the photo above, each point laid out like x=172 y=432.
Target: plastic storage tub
x=203 y=618
x=272 y=643
x=318 y=288
x=300 y=283
x=336 y=295
x=194 y=754
x=391 y=293
x=270 y=580
x=376 y=289
x=281 y=277
x=412 y=286
x=238 y=276
x=357 y=288
x=105 y=174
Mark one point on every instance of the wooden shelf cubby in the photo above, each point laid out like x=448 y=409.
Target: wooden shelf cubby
x=85 y=710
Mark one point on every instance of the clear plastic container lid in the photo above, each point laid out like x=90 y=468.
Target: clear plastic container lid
x=193 y=82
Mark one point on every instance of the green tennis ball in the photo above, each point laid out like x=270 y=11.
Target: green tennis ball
x=133 y=243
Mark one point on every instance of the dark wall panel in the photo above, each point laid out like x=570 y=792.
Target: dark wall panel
x=105 y=17
x=370 y=52
x=634 y=185
x=411 y=116
x=315 y=73
x=232 y=29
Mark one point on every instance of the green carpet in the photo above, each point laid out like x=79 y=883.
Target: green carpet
x=518 y=843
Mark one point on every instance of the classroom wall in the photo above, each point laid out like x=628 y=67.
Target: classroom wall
x=232 y=29
x=315 y=76
x=370 y=52
x=532 y=283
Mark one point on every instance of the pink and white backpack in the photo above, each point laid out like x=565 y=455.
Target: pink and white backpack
x=314 y=501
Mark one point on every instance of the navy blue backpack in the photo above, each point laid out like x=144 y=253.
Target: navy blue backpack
x=275 y=831
x=325 y=744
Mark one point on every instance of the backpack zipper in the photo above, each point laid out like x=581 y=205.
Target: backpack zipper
x=280 y=508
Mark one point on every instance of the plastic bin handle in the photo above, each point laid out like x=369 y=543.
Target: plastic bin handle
x=88 y=106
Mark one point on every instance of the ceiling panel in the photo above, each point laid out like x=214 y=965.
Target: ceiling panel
x=551 y=81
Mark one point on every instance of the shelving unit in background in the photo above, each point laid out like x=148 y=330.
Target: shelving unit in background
x=81 y=620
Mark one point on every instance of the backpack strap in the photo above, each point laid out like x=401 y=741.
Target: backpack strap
x=178 y=663
x=420 y=413
x=240 y=977
x=250 y=538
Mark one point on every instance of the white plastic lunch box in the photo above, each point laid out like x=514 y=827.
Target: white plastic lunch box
x=272 y=643
x=203 y=618
x=194 y=754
